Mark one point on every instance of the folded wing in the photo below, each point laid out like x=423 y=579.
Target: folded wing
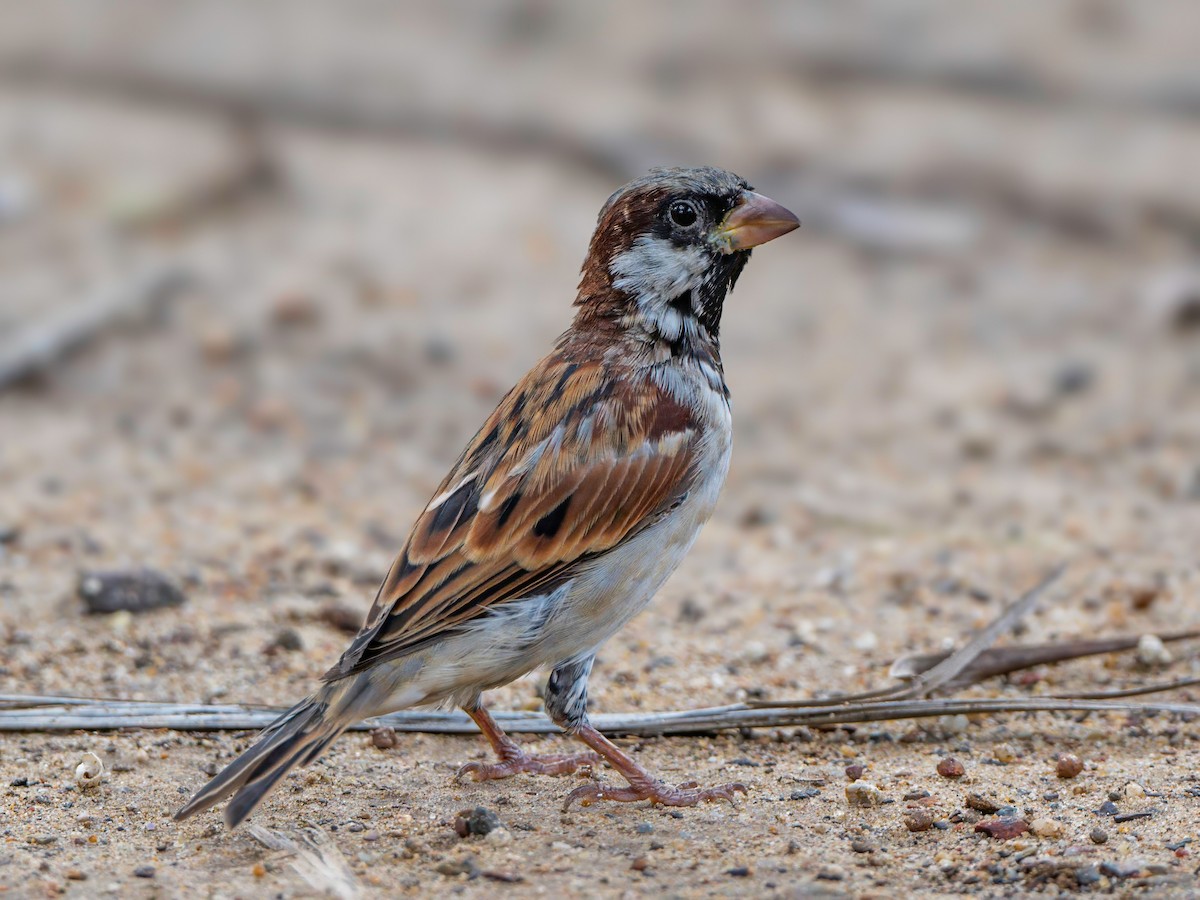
x=573 y=460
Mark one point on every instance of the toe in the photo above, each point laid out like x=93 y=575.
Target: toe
x=475 y=769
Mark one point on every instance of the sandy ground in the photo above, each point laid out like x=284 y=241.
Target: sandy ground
x=921 y=431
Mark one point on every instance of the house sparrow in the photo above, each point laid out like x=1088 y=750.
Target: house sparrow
x=570 y=507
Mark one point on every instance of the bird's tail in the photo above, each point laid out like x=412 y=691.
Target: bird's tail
x=296 y=738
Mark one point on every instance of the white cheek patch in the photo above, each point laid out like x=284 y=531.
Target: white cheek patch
x=655 y=272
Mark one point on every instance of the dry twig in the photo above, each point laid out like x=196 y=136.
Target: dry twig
x=1003 y=660
x=71 y=714
x=34 y=349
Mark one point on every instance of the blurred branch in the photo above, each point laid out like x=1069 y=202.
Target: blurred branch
x=320 y=110
x=1007 y=80
x=34 y=349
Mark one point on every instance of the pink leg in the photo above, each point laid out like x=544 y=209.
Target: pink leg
x=642 y=785
x=513 y=759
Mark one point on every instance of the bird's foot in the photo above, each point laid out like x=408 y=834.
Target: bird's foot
x=686 y=794
x=515 y=763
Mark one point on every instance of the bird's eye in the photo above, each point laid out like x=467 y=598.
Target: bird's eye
x=683 y=213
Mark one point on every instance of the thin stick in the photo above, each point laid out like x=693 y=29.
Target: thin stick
x=948 y=669
x=1003 y=660
x=69 y=715
x=1139 y=691
x=34 y=349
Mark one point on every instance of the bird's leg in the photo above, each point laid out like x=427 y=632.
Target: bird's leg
x=514 y=760
x=566 y=704
x=642 y=785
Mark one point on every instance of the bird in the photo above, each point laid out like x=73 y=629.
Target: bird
x=567 y=511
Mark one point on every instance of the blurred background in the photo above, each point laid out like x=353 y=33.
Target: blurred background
x=265 y=266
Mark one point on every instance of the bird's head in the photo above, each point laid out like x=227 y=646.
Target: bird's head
x=669 y=246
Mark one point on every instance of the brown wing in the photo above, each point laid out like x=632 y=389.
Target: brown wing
x=573 y=460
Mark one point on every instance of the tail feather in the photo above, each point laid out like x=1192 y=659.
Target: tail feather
x=296 y=738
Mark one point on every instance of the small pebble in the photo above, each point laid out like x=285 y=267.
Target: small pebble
x=384 y=738
x=144 y=871
x=476 y=821
x=861 y=845
x=739 y=872
x=1087 y=875
x=1152 y=652
x=1107 y=808
x=1142 y=594
x=916 y=795
x=294 y=308
x=1002 y=829
x=855 y=772
x=1122 y=868
x=134 y=591
x=982 y=804
x=644 y=828
x=950 y=768
x=1046 y=827
x=918 y=819
x=287 y=639
x=1068 y=765
x=805 y=794
x=866 y=641
x=640 y=864
x=1073 y=377
x=457 y=867
x=863 y=793
x=951 y=725
x=1133 y=791
x=219 y=343
x=1006 y=754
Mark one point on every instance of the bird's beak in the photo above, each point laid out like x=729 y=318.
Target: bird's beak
x=755 y=220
